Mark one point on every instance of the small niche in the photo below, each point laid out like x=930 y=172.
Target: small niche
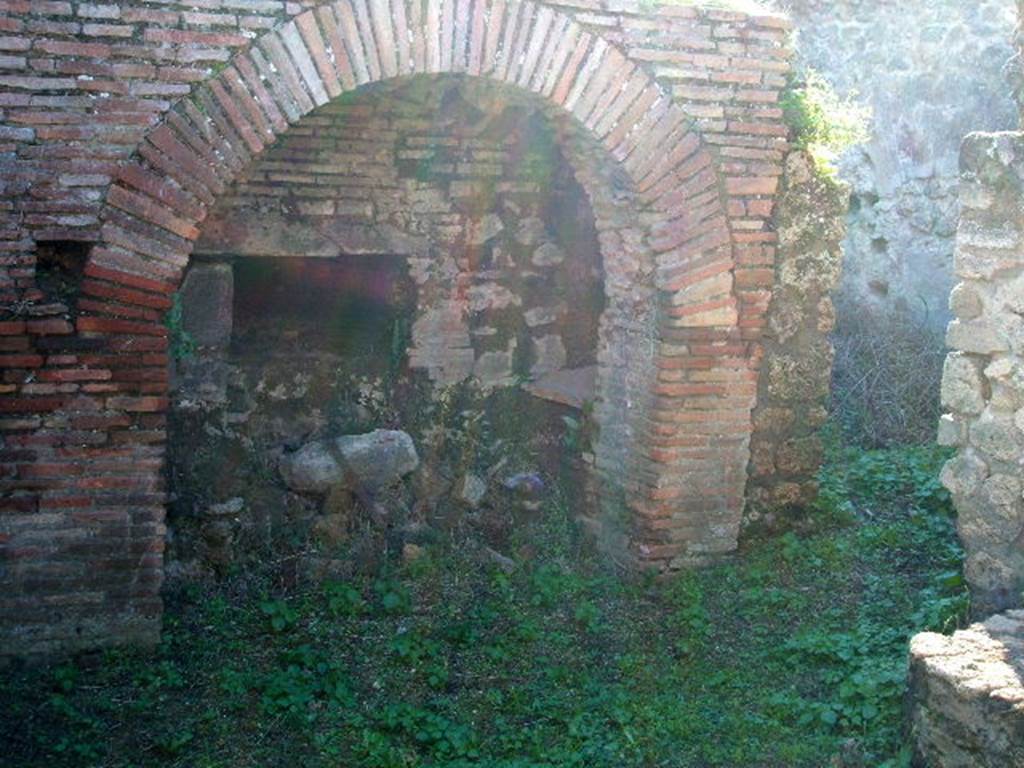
x=353 y=306
x=60 y=265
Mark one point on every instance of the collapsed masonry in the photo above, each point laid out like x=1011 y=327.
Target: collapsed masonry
x=125 y=125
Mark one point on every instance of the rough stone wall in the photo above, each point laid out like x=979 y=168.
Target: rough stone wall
x=93 y=152
x=966 y=698
x=967 y=695
x=786 y=449
x=932 y=72
x=468 y=184
x=983 y=379
x=442 y=211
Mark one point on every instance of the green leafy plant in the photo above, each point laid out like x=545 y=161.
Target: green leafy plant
x=587 y=615
x=393 y=597
x=864 y=672
x=781 y=656
x=343 y=599
x=422 y=653
x=280 y=616
x=305 y=678
x=822 y=122
x=181 y=345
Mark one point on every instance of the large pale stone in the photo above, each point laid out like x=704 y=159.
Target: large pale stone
x=491 y=296
x=207 y=303
x=495 y=368
x=962 y=386
x=367 y=462
x=548 y=255
x=950 y=431
x=982 y=337
x=964 y=473
x=530 y=231
x=1003 y=490
x=490 y=226
x=543 y=315
x=965 y=301
x=968 y=695
x=1007 y=377
x=997 y=437
x=1011 y=295
x=549 y=354
x=471 y=490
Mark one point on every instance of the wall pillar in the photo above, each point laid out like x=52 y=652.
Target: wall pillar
x=793 y=389
x=983 y=379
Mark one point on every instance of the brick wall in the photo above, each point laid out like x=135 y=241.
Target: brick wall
x=121 y=124
x=466 y=181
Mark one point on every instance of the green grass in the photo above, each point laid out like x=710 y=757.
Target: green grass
x=775 y=659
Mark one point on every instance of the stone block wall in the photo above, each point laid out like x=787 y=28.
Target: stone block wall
x=967 y=695
x=983 y=380
x=966 y=699
x=122 y=124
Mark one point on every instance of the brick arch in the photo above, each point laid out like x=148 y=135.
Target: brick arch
x=675 y=392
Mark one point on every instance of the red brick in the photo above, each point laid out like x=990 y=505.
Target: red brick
x=341 y=62
x=125 y=278
x=30 y=405
x=245 y=129
x=21 y=361
x=568 y=72
x=14 y=343
x=306 y=23
x=66 y=48
x=53 y=326
x=188 y=37
x=93 y=307
x=192 y=164
x=73 y=374
x=159 y=189
x=232 y=81
x=137 y=404
x=113 y=325
x=245 y=66
x=149 y=210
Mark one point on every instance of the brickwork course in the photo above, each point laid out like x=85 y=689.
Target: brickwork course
x=122 y=124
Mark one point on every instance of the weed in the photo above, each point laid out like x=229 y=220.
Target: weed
x=777 y=658
x=181 y=345
x=343 y=600
x=280 y=616
x=393 y=596
x=822 y=122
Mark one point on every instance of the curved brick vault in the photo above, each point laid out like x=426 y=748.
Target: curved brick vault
x=676 y=387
